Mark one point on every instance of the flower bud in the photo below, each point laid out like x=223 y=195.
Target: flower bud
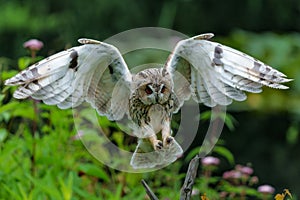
x=209 y=160
x=266 y=189
x=33 y=45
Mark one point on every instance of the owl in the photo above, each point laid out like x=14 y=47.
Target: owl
x=95 y=72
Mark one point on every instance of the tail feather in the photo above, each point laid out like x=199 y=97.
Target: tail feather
x=152 y=159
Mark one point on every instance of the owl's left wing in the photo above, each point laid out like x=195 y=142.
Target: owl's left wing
x=94 y=72
x=215 y=74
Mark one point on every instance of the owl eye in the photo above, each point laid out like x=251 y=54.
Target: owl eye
x=148 y=90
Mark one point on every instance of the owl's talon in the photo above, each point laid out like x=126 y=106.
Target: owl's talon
x=168 y=140
x=158 y=145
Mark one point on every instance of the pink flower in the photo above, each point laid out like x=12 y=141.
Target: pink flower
x=33 y=45
x=209 y=160
x=244 y=169
x=266 y=189
x=195 y=192
x=233 y=174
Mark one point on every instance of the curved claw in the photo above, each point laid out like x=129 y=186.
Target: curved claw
x=158 y=145
x=168 y=140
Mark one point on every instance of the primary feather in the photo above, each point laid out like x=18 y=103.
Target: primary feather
x=85 y=73
x=219 y=73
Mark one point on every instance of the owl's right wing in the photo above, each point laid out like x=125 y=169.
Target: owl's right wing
x=94 y=72
x=215 y=74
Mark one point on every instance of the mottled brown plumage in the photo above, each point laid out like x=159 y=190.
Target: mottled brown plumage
x=210 y=73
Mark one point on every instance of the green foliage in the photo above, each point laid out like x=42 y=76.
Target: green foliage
x=292 y=134
x=3 y=134
x=48 y=162
x=92 y=170
x=223 y=151
x=62 y=168
x=17 y=16
x=238 y=183
x=228 y=119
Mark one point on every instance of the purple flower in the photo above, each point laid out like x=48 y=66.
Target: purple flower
x=266 y=189
x=244 y=169
x=33 y=45
x=209 y=160
x=195 y=192
x=233 y=174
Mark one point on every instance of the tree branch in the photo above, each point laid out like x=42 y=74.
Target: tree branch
x=186 y=190
x=149 y=192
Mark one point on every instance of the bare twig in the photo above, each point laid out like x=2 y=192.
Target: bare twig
x=149 y=192
x=208 y=143
x=186 y=190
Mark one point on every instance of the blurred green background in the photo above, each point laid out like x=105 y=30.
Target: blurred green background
x=266 y=126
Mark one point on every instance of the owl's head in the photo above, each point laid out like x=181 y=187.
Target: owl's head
x=153 y=86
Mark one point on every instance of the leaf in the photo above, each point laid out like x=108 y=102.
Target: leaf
x=24 y=62
x=118 y=192
x=230 y=121
x=225 y=153
x=292 y=134
x=119 y=138
x=2 y=97
x=114 y=194
x=5 y=116
x=13 y=194
x=192 y=154
x=92 y=170
x=3 y=134
x=23 y=193
x=12 y=105
x=49 y=188
x=7 y=74
x=66 y=188
x=205 y=115
x=16 y=108
x=84 y=194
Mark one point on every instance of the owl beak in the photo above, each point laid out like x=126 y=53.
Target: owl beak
x=156 y=98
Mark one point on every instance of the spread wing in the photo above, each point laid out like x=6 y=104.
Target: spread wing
x=215 y=74
x=94 y=72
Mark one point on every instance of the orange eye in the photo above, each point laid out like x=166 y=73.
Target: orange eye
x=148 y=90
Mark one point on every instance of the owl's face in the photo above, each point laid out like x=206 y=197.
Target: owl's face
x=153 y=86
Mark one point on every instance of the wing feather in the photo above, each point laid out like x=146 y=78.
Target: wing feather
x=94 y=72
x=42 y=69
x=219 y=74
x=204 y=91
x=61 y=86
